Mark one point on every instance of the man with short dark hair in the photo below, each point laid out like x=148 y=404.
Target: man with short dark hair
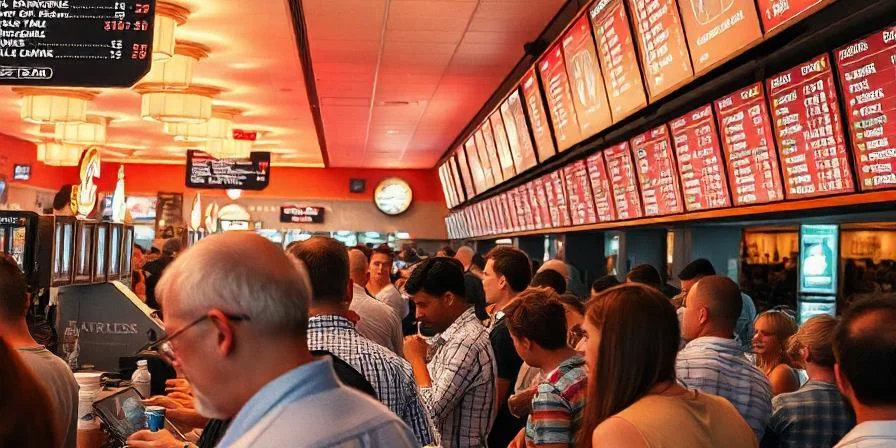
x=330 y=329
x=549 y=278
x=153 y=270
x=713 y=361
x=865 y=349
x=646 y=274
x=458 y=382
x=602 y=284
x=537 y=324
x=380 y=283
x=52 y=373
x=701 y=267
x=507 y=273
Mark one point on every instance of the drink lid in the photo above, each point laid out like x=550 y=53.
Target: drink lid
x=155 y=408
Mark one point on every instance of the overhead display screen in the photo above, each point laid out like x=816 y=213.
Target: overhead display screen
x=475 y=167
x=450 y=199
x=600 y=188
x=618 y=59
x=718 y=29
x=557 y=200
x=664 y=52
x=510 y=211
x=699 y=156
x=518 y=132
x=529 y=188
x=749 y=146
x=808 y=130
x=528 y=208
x=520 y=202
x=205 y=171
x=819 y=254
x=98 y=43
x=867 y=70
x=465 y=174
x=657 y=175
x=503 y=145
x=455 y=176
x=538 y=119
x=559 y=95
x=489 y=157
x=621 y=169
x=588 y=91
x=542 y=197
x=578 y=189
x=779 y=14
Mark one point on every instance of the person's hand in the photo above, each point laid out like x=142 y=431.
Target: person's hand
x=185 y=400
x=415 y=348
x=163 y=401
x=148 y=439
x=178 y=385
x=520 y=403
x=182 y=416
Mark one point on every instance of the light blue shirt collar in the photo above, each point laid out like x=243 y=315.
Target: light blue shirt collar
x=308 y=379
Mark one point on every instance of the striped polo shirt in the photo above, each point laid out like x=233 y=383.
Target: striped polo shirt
x=557 y=405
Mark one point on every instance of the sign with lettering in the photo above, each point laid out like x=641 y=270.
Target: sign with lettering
x=618 y=59
x=661 y=39
x=75 y=43
x=296 y=214
x=699 y=156
x=718 y=29
x=21 y=172
x=655 y=164
x=205 y=171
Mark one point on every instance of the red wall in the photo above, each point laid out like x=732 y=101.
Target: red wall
x=16 y=151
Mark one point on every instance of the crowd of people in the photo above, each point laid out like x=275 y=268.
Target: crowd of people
x=323 y=345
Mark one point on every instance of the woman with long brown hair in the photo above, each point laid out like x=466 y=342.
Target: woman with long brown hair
x=26 y=420
x=633 y=398
x=772 y=328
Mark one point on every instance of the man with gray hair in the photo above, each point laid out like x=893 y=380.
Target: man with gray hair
x=249 y=361
x=376 y=321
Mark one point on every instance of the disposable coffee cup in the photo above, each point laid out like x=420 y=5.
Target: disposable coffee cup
x=155 y=418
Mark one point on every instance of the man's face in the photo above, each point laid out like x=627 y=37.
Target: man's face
x=380 y=268
x=432 y=311
x=690 y=322
x=686 y=285
x=492 y=283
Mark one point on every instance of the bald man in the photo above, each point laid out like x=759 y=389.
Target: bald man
x=713 y=361
x=377 y=320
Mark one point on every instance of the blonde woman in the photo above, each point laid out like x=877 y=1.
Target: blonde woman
x=772 y=328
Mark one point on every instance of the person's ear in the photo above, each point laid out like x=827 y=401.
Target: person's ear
x=502 y=281
x=806 y=354
x=842 y=382
x=225 y=332
x=703 y=316
x=449 y=298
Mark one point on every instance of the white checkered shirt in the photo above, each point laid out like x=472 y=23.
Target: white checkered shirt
x=461 y=399
x=390 y=376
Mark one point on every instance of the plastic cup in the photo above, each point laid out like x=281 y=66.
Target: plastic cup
x=155 y=418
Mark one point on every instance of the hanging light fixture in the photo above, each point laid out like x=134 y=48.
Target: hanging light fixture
x=168 y=17
x=218 y=127
x=58 y=154
x=191 y=105
x=229 y=149
x=42 y=106
x=91 y=132
x=177 y=72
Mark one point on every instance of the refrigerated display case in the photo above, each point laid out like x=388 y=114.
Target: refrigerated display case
x=84 y=248
x=63 y=250
x=101 y=250
x=21 y=235
x=127 y=252
x=116 y=249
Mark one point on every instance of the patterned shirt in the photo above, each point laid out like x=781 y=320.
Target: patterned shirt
x=871 y=434
x=557 y=406
x=461 y=399
x=816 y=415
x=718 y=366
x=390 y=376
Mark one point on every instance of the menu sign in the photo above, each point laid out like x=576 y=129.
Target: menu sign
x=656 y=172
x=510 y=211
x=778 y=13
x=621 y=171
x=718 y=29
x=205 y=171
x=749 y=147
x=560 y=102
x=535 y=205
x=808 y=130
x=616 y=48
x=664 y=52
x=296 y=214
x=541 y=198
x=501 y=140
x=465 y=174
x=588 y=91
x=699 y=156
x=517 y=204
x=553 y=187
x=527 y=208
x=478 y=173
x=581 y=205
x=72 y=43
x=488 y=155
x=455 y=179
x=600 y=188
x=518 y=132
x=867 y=71
x=538 y=119
x=443 y=178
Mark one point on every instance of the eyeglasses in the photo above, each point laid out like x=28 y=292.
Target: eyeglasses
x=574 y=336
x=166 y=349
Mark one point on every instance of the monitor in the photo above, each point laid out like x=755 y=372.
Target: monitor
x=600 y=187
x=63 y=251
x=623 y=179
x=618 y=58
x=700 y=162
x=559 y=96
x=662 y=47
x=819 y=256
x=518 y=135
x=84 y=252
x=718 y=30
x=657 y=175
x=101 y=252
x=538 y=116
x=578 y=189
x=116 y=250
x=586 y=80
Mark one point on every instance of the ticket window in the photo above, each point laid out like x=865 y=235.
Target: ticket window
x=868 y=260
x=769 y=259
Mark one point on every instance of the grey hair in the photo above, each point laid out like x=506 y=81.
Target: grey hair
x=465 y=249
x=357 y=261
x=240 y=273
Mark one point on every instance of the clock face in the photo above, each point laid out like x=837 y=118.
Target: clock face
x=393 y=196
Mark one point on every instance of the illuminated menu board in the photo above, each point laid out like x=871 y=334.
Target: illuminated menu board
x=868 y=78
x=449 y=197
x=528 y=208
x=500 y=134
x=509 y=213
x=618 y=59
x=588 y=91
x=808 y=130
x=538 y=119
x=560 y=102
x=518 y=132
x=656 y=172
x=699 y=156
x=600 y=188
x=541 y=197
x=458 y=182
x=489 y=156
x=581 y=204
x=718 y=29
x=553 y=184
x=535 y=205
x=520 y=202
x=621 y=170
x=664 y=52
x=499 y=214
x=465 y=175
x=490 y=219
x=478 y=174
x=749 y=147
x=778 y=14
x=452 y=187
